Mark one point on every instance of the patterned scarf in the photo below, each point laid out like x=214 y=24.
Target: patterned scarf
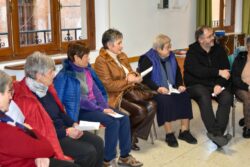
x=81 y=77
x=38 y=88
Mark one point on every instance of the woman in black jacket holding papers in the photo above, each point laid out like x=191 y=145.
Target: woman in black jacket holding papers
x=173 y=103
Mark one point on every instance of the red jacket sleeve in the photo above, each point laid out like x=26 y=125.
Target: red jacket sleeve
x=16 y=143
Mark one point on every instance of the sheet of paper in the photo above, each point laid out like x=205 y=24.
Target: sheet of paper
x=15 y=113
x=144 y=73
x=173 y=90
x=214 y=95
x=87 y=125
x=115 y=115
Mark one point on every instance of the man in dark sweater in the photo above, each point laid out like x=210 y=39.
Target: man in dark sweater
x=206 y=75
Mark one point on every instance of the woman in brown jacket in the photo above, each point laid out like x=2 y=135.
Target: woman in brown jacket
x=114 y=70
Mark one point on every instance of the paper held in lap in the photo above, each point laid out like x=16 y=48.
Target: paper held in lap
x=86 y=125
x=145 y=72
x=115 y=115
x=173 y=90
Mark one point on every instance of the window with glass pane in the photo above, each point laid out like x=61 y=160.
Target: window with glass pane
x=223 y=13
x=34 y=18
x=73 y=20
x=227 y=12
x=44 y=25
x=4 y=42
x=215 y=13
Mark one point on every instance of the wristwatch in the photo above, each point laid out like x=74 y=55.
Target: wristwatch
x=248 y=87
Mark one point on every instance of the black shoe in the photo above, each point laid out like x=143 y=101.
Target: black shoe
x=242 y=122
x=135 y=147
x=187 y=136
x=220 y=141
x=171 y=140
x=136 y=140
x=244 y=128
x=228 y=137
x=246 y=133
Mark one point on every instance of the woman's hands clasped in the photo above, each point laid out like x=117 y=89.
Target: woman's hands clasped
x=74 y=133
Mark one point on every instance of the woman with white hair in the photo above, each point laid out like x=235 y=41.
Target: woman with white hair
x=164 y=78
x=241 y=83
x=37 y=98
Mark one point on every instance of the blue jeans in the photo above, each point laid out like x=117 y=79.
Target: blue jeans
x=116 y=129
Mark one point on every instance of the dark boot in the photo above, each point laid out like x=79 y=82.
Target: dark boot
x=220 y=141
x=242 y=122
x=134 y=146
x=246 y=133
x=187 y=136
x=171 y=140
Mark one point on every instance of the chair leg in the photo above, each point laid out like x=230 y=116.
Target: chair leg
x=233 y=115
x=154 y=130
x=233 y=118
x=151 y=137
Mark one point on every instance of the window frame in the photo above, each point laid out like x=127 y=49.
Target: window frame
x=229 y=28
x=16 y=51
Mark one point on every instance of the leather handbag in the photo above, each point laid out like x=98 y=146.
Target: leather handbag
x=137 y=93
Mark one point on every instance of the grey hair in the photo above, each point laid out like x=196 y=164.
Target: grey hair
x=111 y=35
x=160 y=40
x=5 y=80
x=38 y=63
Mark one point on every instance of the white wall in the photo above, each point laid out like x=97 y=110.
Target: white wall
x=140 y=21
x=238 y=17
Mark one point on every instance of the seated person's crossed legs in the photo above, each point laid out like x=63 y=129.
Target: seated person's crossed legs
x=215 y=123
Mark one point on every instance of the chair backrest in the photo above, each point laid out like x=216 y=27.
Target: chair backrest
x=13 y=77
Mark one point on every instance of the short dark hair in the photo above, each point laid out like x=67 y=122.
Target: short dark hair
x=110 y=36
x=200 y=31
x=77 y=48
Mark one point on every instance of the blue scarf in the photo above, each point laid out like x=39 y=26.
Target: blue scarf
x=156 y=75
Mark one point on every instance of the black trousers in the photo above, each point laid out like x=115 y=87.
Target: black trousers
x=87 y=151
x=214 y=123
x=244 y=96
x=61 y=163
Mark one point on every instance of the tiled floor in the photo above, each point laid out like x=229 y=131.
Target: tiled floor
x=205 y=153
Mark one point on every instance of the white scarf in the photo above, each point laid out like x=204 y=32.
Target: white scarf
x=114 y=56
